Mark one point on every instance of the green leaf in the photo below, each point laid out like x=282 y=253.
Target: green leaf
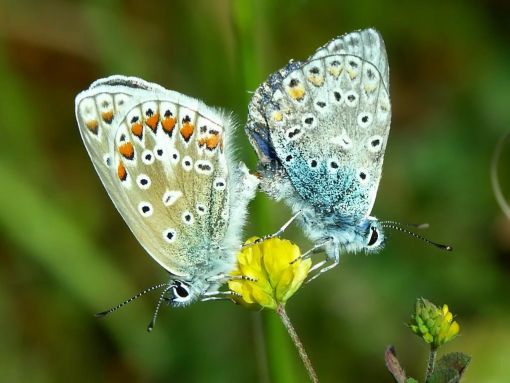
x=393 y=365
x=444 y=375
x=454 y=360
x=411 y=380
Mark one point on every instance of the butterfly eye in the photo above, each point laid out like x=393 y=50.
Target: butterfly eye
x=181 y=292
x=374 y=237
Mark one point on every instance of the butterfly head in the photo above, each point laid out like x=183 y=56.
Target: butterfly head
x=182 y=293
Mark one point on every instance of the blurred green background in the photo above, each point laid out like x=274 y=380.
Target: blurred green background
x=65 y=253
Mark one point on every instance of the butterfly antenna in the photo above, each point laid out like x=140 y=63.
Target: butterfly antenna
x=160 y=300
x=395 y=226
x=141 y=293
x=414 y=225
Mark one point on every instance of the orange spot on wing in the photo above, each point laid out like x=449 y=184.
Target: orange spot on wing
x=92 y=125
x=127 y=150
x=152 y=122
x=168 y=124
x=297 y=93
x=212 y=141
x=121 y=171
x=187 y=131
x=137 y=129
x=107 y=116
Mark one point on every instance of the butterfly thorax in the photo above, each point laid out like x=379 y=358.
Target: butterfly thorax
x=350 y=234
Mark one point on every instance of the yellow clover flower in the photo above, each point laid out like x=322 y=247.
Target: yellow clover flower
x=435 y=325
x=274 y=278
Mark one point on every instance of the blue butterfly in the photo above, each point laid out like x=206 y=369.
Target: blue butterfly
x=320 y=130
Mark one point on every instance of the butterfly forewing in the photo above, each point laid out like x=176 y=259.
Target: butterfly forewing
x=165 y=171
x=328 y=121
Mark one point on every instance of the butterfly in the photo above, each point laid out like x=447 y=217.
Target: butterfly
x=167 y=163
x=320 y=130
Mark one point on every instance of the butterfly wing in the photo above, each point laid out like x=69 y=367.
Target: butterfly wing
x=162 y=158
x=327 y=121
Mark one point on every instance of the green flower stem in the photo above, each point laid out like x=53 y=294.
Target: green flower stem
x=432 y=362
x=280 y=310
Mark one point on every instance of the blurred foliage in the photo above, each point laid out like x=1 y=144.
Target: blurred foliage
x=65 y=252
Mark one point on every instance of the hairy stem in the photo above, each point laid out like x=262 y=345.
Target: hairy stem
x=431 y=364
x=297 y=342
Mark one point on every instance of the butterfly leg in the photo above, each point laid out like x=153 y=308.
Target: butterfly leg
x=226 y=277
x=219 y=296
x=313 y=250
x=322 y=266
x=278 y=233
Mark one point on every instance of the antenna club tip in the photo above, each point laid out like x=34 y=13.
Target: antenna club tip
x=448 y=248
x=101 y=314
x=150 y=327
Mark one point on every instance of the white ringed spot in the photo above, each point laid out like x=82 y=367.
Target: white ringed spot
x=188 y=218
x=309 y=121
x=145 y=209
x=107 y=159
x=148 y=157
x=219 y=184
x=169 y=235
x=351 y=98
x=204 y=167
x=143 y=181
x=187 y=163
x=200 y=208
x=174 y=156
x=364 y=119
x=374 y=143
x=159 y=152
x=363 y=176
x=171 y=196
